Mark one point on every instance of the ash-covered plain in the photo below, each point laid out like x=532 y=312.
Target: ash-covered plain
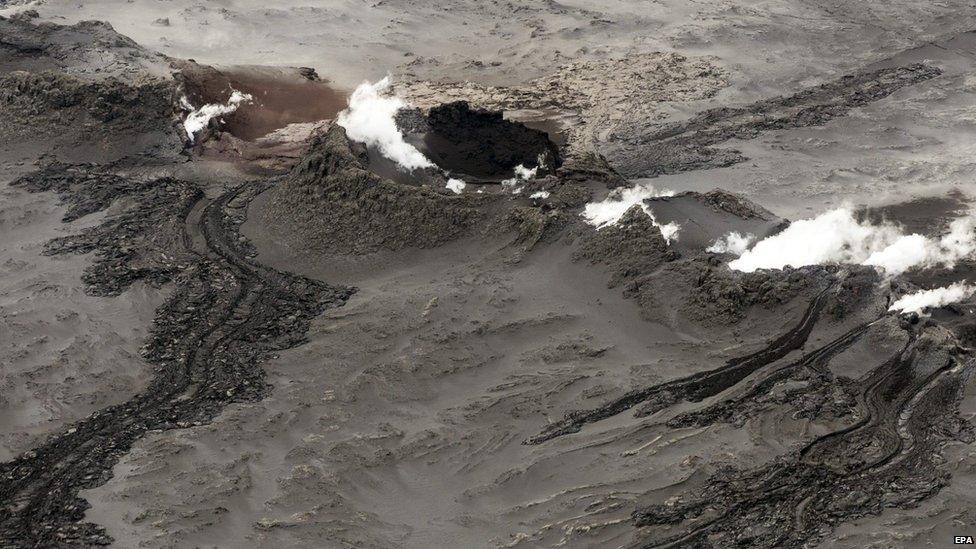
x=487 y=274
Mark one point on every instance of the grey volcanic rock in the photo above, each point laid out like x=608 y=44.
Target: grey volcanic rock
x=842 y=476
x=645 y=266
x=207 y=340
x=633 y=248
x=591 y=166
x=690 y=145
x=84 y=92
x=131 y=246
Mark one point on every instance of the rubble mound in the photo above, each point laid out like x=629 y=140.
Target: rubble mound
x=67 y=99
x=734 y=204
x=591 y=166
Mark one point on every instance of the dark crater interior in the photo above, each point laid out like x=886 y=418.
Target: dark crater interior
x=476 y=144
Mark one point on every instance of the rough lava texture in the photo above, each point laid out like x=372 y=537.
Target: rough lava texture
x=207 y=340
x=113 y=116
x=331 y=202
x=632 y=248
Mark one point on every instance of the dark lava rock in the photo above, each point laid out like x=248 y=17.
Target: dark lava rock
x=633 y=248
x=224 y=318
x=535 y=225
x=332 y=203
x=308 y=73
x=591 y=166
x=136 y=244
x=722 y=200
x=77 y=119
x=721 y=295
x=690 y=145
x=68 y=99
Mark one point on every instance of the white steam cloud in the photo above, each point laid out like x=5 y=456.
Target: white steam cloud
x=609 y=211
x=837 y=236
x=456 y=185
x=938 y=297
x=733 y=243
x=370 y=119
x=199 y=118
x=521 y=174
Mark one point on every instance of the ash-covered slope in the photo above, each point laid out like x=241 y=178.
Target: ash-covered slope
x=705 y=218
x=332 y=203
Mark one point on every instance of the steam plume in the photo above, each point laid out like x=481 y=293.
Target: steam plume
x=732 y=243
x=199 y=118
x=521 y=174
x=456 y=185
x=370 y=119
x=837 y=237
x=937 y=297
x=609 y=211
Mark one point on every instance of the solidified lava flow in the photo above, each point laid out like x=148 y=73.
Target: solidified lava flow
x=696 y=387
x=689 y=145
x=226 y=316
x=903 y=410
x=888 y=458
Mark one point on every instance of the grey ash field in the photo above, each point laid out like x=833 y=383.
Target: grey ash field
x=263 y=331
